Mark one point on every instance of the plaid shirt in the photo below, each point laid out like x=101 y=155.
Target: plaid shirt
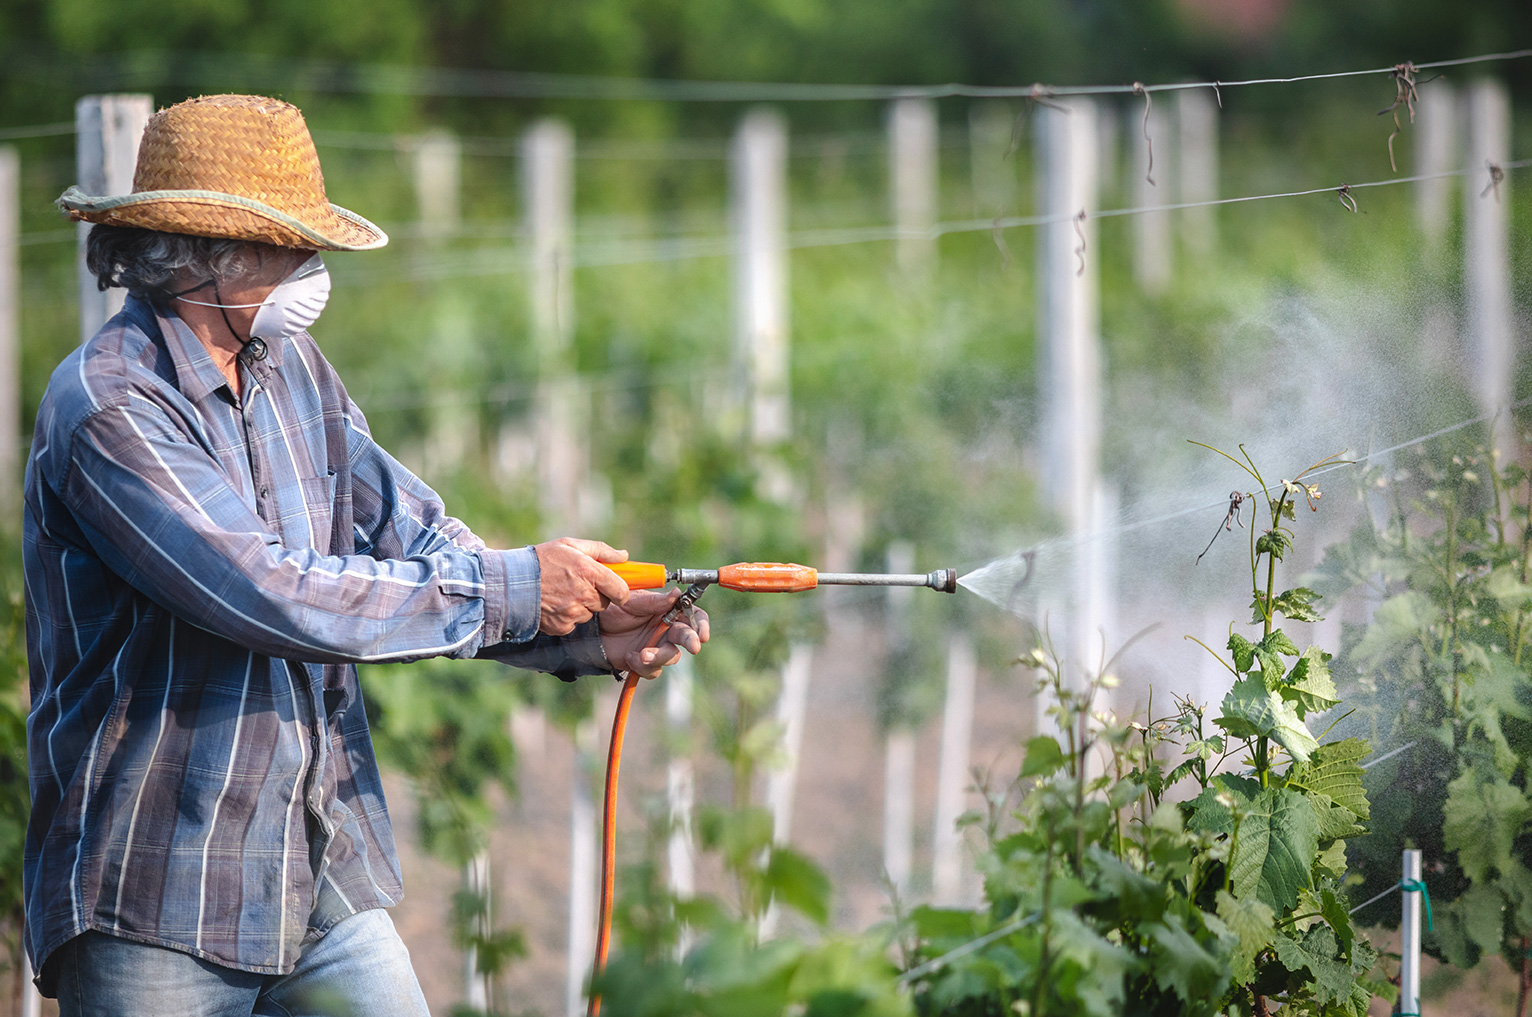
x=203 y=574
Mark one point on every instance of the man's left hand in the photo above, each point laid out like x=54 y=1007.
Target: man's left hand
x=625 y=631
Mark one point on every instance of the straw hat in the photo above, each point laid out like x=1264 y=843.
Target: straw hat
x=238 y=166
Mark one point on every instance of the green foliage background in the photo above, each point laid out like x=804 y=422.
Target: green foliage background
x=920 y=400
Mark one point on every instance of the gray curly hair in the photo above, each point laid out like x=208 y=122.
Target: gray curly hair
x=144 y=261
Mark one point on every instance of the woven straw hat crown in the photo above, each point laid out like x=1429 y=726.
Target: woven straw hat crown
x=238 y=166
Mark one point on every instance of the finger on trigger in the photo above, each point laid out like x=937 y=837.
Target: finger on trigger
x=610 y=585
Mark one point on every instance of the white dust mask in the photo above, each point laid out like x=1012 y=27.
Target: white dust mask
x=296 y=302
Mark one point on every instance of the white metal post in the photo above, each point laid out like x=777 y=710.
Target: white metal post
x=899 y=748
x=31 y=999
x=1409 y=945
x=781 y=783
x=1437 y=151
x=1487 y=246
x=1197 y=167
x=680 y=781
x=912 y=173
x=547 y=152
x=438 y=183
x=1069 y=338
x=952 y=772
x=582 y=869
x=108 y=129
x=477 y=985
x=758 y=170
x=10 y=336
x=1153 y=249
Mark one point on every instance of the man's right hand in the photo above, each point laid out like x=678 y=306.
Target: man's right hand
x=575 y=584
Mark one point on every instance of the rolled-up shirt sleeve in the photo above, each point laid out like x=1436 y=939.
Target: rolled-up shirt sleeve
x=397 y=512
x=158 y=510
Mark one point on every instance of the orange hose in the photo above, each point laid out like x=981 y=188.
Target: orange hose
x=609 y=826
x=609 y=810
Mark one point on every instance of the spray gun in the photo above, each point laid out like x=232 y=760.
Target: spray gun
x=746 y=577
x=773 y=577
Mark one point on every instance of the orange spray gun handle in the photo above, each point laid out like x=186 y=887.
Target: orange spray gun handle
x=747 y=577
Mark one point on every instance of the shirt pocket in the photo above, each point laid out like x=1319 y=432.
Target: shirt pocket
x=319 y=500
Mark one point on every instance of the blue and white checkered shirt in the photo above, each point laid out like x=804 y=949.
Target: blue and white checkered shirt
x=203 y=574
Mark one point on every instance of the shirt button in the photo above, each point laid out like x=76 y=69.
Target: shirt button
x=263 y=492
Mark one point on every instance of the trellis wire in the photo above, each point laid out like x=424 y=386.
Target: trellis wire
x=341 y=78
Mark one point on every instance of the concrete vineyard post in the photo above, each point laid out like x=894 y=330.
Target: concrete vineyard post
x=952 y=772
x=108 y=129
x=438 y=159
x=758 y=178
x=1436 y=150
x=1069 y=375
x=1487 y=240
x=547 y=153
x=1197 y=167
x=1153 y=243
x=781 y=783
x=477 y=989
x=547 y=183
x=582 y=866
x=913 y=137
x=680 y=781
x=899 y=745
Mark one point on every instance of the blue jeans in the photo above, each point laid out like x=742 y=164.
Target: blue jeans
x=360 y=968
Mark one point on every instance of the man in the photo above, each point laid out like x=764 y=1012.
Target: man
x=213 y=541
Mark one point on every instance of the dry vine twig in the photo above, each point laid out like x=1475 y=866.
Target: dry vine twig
x=1404 y=95
x=1236 y=499
x=1344 y=190
x=1079 y=222
x=1139 y=89
x=1496 y=175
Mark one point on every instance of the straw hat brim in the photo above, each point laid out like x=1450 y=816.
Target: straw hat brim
x=215 y=214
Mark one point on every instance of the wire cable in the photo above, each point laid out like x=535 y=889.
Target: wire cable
x=350 y=78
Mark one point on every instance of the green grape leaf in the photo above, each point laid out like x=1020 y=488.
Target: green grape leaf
x=1272 y=668
x=1210 y=815
x=1043 y=757
x=1481 y=819
x=1505 y=585
x=1253 y=924
x=1244 y=652
x=1278 y=642
x=1332 y=860
x=1334 y=911
x=1316 y=953
x=1398 y=622
x=1273 y=542
x=1251 y=711
x=1334 y=771
x=1181 y=964
x=1297 y=604
x=1274 y=848
x=1309 y=685
x=798 y=883
x=1335 y=821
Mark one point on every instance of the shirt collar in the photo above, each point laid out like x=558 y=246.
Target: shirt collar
x=196 y=374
